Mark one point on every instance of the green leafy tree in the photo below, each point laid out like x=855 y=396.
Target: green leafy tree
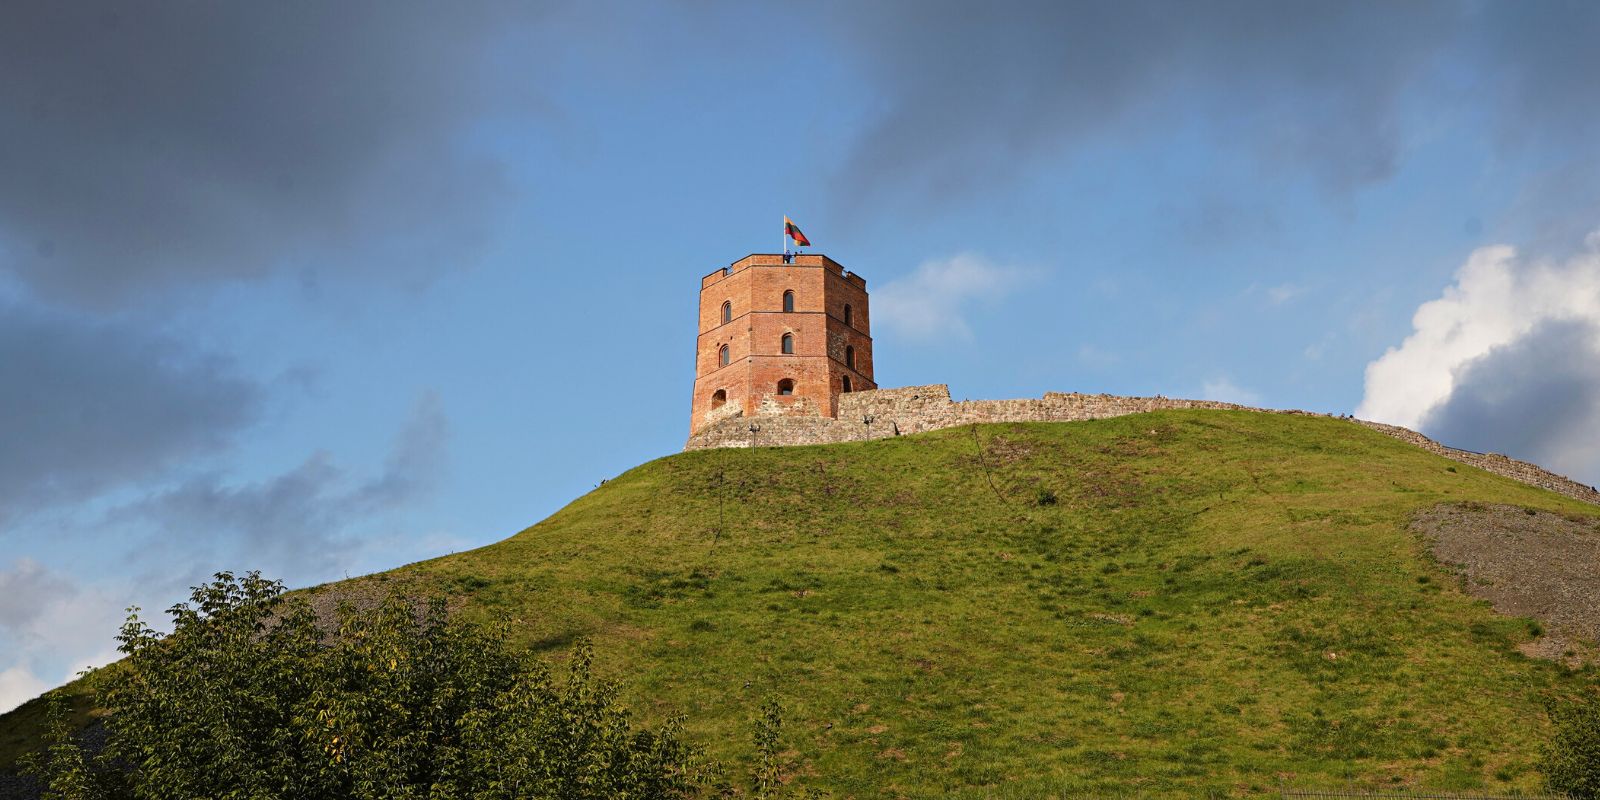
x=1572 y=758
x=63 y=766
x=249 y=697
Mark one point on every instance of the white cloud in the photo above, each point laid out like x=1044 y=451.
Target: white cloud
x=1316 y=350
x=1223 y=390
x=929 y=303
x=1278 y=295
x=26 y=590
x=1497 y=299
x=46 y=621
x=1507 y=359
x=17 y=686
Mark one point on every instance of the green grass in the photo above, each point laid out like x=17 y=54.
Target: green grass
x=1168 y=604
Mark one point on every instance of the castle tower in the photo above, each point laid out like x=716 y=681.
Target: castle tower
x=780 y=338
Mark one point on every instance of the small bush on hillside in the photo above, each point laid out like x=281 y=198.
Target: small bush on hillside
x=767 y=774
x=248 y=697
x=1571 y=761
x=1045 y=497
x=63 y=766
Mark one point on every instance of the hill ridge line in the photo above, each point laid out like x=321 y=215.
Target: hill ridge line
x=886 y=413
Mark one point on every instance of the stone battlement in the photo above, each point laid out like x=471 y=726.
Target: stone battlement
x=885 y=413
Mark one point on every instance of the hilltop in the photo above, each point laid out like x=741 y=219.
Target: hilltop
x=1170 y=603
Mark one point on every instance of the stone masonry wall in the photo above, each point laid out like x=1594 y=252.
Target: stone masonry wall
x=1531 y=474
x=884 y=413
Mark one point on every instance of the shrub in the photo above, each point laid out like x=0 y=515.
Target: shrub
x=247 y=697
x=63 y=766
x=1571 y=760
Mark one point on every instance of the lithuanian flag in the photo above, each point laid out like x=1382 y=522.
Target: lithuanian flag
x=793 y=232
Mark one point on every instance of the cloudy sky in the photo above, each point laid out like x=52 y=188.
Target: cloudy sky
x=322 y=288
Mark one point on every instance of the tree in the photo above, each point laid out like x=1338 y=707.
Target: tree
x=248 y=697
x=63 y=766
x=1572 y=758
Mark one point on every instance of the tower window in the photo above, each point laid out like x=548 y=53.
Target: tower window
x=848 y=316
x=788 y=344
x=786 y=387
x=849 y=359
x=727 y=313
x=847 y=383
x=718 y=398
x=722 y=356
x=788 y=301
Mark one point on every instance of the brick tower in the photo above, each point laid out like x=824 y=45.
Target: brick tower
x=780 y=338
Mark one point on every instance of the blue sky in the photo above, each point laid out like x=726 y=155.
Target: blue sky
x=321 y=291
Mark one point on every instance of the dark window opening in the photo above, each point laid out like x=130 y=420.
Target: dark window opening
x=718 y=398
x=847 y=315
x=847 y=383
x=786 y=387
x=722 y=355
x=788 y=301
x=788 y=344
x=850 y=358
x=727 y=313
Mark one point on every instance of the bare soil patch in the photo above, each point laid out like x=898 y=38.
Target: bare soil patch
x=1526 y=563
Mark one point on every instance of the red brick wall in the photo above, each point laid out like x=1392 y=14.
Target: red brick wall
x=754 y=286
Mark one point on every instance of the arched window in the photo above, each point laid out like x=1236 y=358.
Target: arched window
x=719 y=397
x=727 y=313
x=788 y=344
x=848 y=317
x=849 y=358
x=788 y=301
x=847 y=383
x=786 y=387
x=722 y=356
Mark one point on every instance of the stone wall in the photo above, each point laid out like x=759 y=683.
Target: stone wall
x=1532 y=474
x=885 y=413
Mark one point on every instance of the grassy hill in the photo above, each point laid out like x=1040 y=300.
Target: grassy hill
x=1171 y=604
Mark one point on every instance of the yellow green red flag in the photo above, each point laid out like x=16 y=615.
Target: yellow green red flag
x=793 y=232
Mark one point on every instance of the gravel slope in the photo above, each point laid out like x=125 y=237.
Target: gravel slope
x=1527 y=564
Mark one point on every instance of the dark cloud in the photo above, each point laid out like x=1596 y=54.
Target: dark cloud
x=167 y=143
x=296 y=523
x=1541 y=92
x=971 y=91
x=970 y=94
x=1536 y=398
x=85 y=407
x=1545 y=66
